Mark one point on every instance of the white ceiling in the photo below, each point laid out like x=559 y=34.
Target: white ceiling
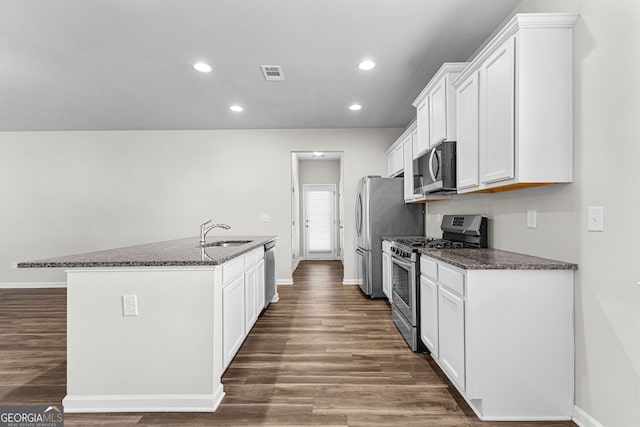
x=127 y=64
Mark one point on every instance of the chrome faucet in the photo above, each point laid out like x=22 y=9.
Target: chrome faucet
x=204 y=230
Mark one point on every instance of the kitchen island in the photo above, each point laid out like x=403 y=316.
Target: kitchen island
x=151 y=327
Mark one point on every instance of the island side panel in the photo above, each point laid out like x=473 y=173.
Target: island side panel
x=165 y=358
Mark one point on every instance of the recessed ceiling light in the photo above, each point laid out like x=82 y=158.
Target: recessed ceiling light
x=202 y=67
x=236 y=108
x=355 y=107
x=367 y=65
x=318 y=154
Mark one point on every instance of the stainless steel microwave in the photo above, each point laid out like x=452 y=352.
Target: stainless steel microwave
x=435 y=171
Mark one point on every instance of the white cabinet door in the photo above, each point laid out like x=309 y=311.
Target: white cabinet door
x=438 y=113
x=414 y=141
x=386 y=277
x=260 y=288
x=395 y=157
x=497 y=137
x=399 y=157
x=233 y=319
x=250 y=295
x=429 y=315
x=408 y=168
x=422 y=120
x=451 y=336
x=467 y=146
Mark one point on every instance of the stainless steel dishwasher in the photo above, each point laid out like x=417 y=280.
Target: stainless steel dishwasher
x=269 y=272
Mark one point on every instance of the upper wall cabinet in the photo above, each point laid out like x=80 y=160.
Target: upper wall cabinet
x=395 y=158
x=515 y=107
x=467 y=144
x=436 y=109
x=408 y=140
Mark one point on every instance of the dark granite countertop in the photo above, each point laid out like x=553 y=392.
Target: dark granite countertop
x=181 y=252
x=489 y=259
x=495 y=259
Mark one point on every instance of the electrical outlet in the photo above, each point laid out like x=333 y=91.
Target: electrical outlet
x=532 y=218
x=129 y=305
x=266 y=218
x=595 y=218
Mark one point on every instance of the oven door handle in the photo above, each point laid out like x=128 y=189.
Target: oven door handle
x=401 y=262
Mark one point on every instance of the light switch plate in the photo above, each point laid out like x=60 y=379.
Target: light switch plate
x=266 y=218
x=532 y=218
x=595 y=218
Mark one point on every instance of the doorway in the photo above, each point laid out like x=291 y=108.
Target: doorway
x=313 y=171
x=318 y=208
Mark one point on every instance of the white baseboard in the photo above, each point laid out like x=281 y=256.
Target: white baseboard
x=350 y=282
x=144 y=403
x=281 y=282
x=275 y=298
x=32 y=285
x=295 y=265
x=583 y=419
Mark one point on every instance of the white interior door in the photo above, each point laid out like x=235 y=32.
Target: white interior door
x=319 y=221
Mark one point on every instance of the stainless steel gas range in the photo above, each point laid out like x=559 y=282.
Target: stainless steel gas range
x=458 y=231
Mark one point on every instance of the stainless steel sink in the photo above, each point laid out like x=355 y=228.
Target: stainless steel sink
x=225 y=243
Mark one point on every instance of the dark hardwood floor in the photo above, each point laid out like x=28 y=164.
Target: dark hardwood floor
x=323 y=355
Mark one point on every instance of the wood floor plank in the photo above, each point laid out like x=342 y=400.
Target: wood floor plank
x=323 y=355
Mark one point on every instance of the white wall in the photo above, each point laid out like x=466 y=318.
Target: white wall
x=320 y=172
x=71 y=192
x=606 y=129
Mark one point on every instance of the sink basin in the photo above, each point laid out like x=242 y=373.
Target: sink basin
x=225 y=243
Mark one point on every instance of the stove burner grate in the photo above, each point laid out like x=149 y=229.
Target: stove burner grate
x=415 y=243
x=447 y=244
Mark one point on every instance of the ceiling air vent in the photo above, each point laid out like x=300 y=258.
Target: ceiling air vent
x=272 y=73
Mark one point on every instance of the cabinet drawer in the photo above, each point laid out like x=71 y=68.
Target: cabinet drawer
x=428 y=267
x=231 y=269
x=252 y=257
x=452 y=279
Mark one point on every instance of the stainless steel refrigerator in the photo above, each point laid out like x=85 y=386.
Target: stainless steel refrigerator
x=381 y=211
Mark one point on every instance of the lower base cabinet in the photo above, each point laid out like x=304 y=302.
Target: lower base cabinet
x=451 y=345
x=260 y=272
x=429 y=314
x=251 y=294
x=503 y=337
x=233 y=319
x=387 y=270
x=242 y=300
